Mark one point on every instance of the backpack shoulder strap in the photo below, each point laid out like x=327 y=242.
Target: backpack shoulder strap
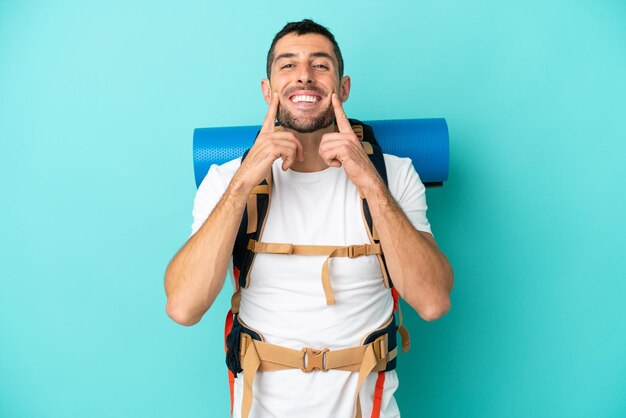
x=365 y=133
x=250 y=228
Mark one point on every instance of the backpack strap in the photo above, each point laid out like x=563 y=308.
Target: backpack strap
x=247 y=352
x=330 y=251
x=251 y=227
x=376 y=156
x=365 y=133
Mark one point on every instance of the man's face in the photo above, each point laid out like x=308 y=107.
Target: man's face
x=304 y=73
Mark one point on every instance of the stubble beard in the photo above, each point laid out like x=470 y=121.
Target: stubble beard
x=306 y=124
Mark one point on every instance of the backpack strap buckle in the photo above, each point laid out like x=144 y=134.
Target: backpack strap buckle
x=314 y=360
x=357 y=250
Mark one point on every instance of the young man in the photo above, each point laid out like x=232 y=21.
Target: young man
x=319 y=171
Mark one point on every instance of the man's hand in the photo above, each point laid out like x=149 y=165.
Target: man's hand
x=269 y=146
x=343 y=149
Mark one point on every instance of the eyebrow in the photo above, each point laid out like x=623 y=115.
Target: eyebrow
x=319 y=54
x=322 y=55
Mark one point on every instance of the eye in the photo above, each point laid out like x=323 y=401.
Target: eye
x=287 y=66
x=321 y=66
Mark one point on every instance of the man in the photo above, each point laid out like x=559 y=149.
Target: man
x=319 y=169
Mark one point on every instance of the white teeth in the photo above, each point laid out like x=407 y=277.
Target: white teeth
x=308 y=99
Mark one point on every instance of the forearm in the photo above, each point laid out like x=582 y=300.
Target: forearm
x=420 y=272
x=196 y=274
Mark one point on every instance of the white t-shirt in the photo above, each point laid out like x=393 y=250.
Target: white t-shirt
x=285 y=300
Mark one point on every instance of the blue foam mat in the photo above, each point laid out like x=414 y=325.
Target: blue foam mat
x=425 y=141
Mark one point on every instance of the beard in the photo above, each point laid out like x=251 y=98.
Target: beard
x=307 y=123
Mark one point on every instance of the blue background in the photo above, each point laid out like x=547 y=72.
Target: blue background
x=98 y=102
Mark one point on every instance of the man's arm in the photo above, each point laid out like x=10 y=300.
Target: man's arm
x=420 y=272
x=196 y=274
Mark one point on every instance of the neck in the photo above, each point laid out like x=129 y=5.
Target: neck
x=311 y=144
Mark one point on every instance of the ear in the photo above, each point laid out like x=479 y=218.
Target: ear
x=344 y=88
x=266 y=89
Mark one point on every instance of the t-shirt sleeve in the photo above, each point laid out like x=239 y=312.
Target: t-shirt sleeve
x=408 y=190
x=211 y=191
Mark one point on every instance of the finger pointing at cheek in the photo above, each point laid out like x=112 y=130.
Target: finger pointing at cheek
x=270 y=117
x=340 y=116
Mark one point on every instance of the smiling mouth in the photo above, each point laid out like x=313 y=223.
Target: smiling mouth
x=301 y=98
x=305 y=98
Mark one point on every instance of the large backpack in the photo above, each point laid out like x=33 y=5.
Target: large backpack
x=247 y=245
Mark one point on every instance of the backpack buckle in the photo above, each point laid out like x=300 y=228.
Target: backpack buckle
x=357 y=250
x=380 y=345
x=314 y=360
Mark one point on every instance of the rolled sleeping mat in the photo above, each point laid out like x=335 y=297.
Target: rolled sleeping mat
x=424 y=141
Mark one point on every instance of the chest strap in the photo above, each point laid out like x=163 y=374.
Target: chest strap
x=261 y=356
x=330 y=251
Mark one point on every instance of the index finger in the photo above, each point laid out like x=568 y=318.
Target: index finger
x=270 y=119
x=340 y=116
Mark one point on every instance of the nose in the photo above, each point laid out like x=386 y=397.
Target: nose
x=305 y=76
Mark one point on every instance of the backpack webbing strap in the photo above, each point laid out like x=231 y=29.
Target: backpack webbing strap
x=374 y=239
x=330 y=251
x=375 y=153
x=378 y=395
x=251 y=227
x=261 y=356
x=251 y=207
x=228 y=327
x=404 y=333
